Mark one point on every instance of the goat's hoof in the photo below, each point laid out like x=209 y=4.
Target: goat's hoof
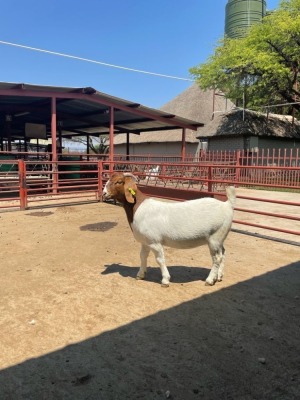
x=209 y=283
x=165 y=285
x=139 y=278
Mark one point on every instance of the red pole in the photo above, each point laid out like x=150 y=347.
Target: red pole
x=22 y=183
x=100 y=180
x=54 y=151
x=111 y=138
x=209 y=179
x=237 y=164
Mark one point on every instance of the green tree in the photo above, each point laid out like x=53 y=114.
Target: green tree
x=261 y=68
x=100 y=145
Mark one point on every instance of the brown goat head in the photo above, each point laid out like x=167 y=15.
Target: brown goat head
x=121 y=187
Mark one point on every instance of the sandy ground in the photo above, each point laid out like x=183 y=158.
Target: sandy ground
x=75 y=324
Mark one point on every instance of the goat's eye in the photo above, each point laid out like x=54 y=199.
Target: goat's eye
x=118 y=182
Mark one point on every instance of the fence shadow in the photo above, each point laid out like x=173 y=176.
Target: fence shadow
x=237 y=343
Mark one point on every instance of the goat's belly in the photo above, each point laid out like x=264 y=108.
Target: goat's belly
x=184 y=244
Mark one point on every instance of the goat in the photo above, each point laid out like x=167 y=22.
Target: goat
x=182 y=225
x=152 y=173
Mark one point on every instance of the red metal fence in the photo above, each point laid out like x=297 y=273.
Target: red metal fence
x=26 y=183
x=262 y=157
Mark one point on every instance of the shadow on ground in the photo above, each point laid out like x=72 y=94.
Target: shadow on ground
x=179 y=274
x=99 y=226
x=240 y=343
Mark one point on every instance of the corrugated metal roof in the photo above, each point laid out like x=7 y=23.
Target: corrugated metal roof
x=81 y=111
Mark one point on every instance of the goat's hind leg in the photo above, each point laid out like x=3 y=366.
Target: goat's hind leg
x=158 y=251
x=217 y=259
x=221 y=267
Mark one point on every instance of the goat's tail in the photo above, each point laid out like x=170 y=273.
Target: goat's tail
x=230 y=191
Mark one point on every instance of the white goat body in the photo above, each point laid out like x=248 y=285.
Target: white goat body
x=182 y=225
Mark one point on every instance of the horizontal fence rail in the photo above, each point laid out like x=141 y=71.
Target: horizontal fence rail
x=37 y=181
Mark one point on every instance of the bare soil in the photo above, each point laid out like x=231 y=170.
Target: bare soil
x=76 y=324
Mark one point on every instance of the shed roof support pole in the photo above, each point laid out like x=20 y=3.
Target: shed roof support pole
x=1 y=139
x=54 y=151
x=59 y=145
x=7 y=128
x=111 y=138
x=88 y=139
x=183 y=149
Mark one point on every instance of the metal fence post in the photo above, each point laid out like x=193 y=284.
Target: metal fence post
x=209 y=179
x=237 y=169
x=100 y=180
x=54 y=166
x=22 y=184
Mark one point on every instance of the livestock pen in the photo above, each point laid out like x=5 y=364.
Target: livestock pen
x=34 y=182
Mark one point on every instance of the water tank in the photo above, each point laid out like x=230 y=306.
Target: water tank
x=241 y=15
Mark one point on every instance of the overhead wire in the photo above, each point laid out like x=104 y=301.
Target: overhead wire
x=119 y=67
x=94 y=61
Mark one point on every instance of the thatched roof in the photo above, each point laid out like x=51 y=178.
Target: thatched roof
x=220 y=117
x=198 y=103
x=239 y=122
x=193 y=103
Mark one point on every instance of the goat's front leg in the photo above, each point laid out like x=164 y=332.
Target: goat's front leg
x=145 y=250
x=160 y=259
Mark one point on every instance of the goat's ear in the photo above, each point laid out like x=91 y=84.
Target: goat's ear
x=130 y=189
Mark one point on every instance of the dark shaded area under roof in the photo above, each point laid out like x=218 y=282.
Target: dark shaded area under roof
x=79 y=112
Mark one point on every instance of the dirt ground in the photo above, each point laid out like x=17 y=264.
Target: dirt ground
x=75 y=324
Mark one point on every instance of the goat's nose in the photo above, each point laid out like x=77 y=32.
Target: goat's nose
x=105 y=194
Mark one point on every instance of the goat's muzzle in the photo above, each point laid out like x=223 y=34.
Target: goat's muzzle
x=105 y=197
x=105 y=194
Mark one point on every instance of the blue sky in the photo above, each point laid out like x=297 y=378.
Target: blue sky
x=161 y=36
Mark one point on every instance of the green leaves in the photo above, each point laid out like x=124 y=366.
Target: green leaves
x=264 y=66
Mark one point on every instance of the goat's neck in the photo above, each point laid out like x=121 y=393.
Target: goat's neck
x=130 y=208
